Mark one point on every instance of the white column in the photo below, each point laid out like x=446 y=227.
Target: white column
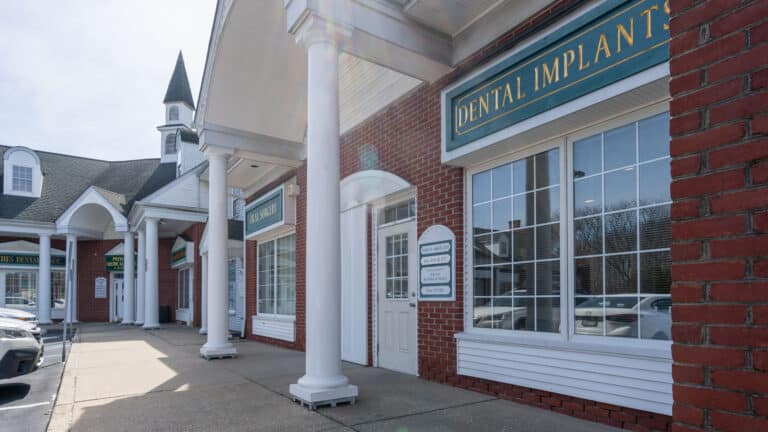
x=71 y=275
x=141 y=268
x=44 y=280
x=151 y=300
x=217 y=344
x=323 y=381
x=204 y=295
x=128 y=288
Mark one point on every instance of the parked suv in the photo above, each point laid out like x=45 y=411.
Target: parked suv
x=20 y=351
x=18 y=314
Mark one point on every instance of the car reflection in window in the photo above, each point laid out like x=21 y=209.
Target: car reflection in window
x=623 y=316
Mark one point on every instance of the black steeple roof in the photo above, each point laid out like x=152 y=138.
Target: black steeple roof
x=178 y=88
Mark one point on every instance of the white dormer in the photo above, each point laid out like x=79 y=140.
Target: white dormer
x=22 y=175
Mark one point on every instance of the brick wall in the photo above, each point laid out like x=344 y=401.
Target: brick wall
x=168 y=292
x=90 y=265
x=719 y=108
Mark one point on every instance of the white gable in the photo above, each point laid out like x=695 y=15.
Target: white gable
x=182 y=192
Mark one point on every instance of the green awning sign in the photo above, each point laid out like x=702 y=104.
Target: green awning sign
x=264 y=213
x=607 y=44
x=11 y=259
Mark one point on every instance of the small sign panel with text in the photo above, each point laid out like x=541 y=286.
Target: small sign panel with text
x=437 y=257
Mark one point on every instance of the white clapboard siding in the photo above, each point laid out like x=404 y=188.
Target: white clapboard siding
x=274 y=328
x=643 y=383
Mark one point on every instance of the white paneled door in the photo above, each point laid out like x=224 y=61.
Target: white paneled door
x=117 y=300
x=354 y=285
x=397 y=308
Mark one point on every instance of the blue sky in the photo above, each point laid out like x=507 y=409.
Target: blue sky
x=87 y=77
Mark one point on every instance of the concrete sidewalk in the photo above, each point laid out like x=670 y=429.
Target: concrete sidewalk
x=127 y=379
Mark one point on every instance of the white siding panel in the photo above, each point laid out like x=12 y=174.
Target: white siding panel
x=274 y=328
x=185 y=193
x=634 y=382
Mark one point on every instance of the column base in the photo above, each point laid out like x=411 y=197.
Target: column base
x=220 y=351
x=138 y=323
x=126 y=323
x=148 y=326
x=314 y=397
x=203 y=331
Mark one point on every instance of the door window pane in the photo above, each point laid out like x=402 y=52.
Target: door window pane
x=396 y=277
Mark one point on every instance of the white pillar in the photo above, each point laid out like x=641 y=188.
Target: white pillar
x=44 y=280
x=323 y=381
x=151 y=300
x=141 y=268
x=128 y=288
x=71 y=275
x=217 y=344
x=204 y=295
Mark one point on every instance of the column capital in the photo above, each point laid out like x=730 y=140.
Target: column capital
x=315 y=29
x=44 y=235
x=212 y=152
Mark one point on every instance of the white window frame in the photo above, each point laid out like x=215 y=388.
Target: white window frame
x=23 y=169
x=261 y=241
x=184 y=273
x=566 y=338
x=232 y=286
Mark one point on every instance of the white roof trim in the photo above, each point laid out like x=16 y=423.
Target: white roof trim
x=91 y=196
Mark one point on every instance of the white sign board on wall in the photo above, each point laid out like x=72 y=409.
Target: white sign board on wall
x=101 y=287
x=437 y=264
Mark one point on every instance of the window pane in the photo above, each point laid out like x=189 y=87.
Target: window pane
x=522 y=172
x=481 y=218
x=548 y=314
x=502 y=247
x=621 y=231
x=588 y=276
x=655 y=317
x=502 y=280
x=621 y=274
x=589 y=316
x=285 y=292
x=481 y=187
x=588 y=196
x=587 y=156
x=655 y=227
x=524 y=279
x=655 y=178
x=588 y=236
x=548 y=278
x=523 y=210
x=482 y=281
x=502 y=181
x=502 y=214
x=655 y=274
x=653 y=135
x=619 y=145
x=266 y=281
x=548 y=205
x=620 y=189
x=524 y=314
x=483 y=312
x=548 y=241
x=483 y=245
x=523 y=244
x=548 y=168
x=503 y=313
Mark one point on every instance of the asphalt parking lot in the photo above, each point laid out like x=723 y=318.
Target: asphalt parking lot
x=26 y=401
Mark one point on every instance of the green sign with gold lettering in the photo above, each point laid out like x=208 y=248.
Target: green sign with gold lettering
x=10 y=259
x=264 y=212
x=609 y=43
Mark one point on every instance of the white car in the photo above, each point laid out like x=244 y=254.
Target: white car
x=20 y=351
x=622 y=315
x=18 y=314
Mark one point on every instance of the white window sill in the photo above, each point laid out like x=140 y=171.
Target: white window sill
x=649 y=349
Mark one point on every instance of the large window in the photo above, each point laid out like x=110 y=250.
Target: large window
x=58 y=279
x=170 y=143
x=22 y=179
x=184 y=286
x=277 y=276
x=618 y=222
x=21 y=289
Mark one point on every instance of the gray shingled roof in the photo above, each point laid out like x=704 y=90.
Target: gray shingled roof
x=66 y=177
x=178 y=87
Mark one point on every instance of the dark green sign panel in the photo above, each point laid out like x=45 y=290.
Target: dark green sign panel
x=264 y=213
x=114 y=263
x=29 y=260
x=609 y=43
x=179 y=255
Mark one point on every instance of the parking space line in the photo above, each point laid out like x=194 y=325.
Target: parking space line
x=24 y=406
